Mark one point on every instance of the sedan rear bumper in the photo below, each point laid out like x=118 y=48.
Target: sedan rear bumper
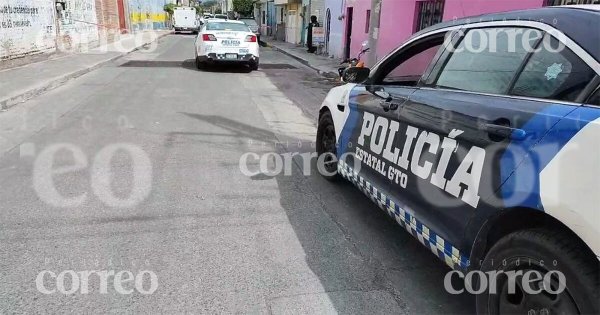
x=215 y=57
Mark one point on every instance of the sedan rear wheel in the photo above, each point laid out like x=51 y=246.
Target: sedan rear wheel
x=254 y=66
x=570 y=282
x=199 y=64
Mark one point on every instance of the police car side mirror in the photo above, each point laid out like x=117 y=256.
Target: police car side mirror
x=356 y=74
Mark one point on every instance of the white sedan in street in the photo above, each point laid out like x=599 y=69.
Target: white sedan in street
x=226 y=41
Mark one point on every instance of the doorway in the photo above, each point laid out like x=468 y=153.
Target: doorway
x=327 y=29
x=349 y=15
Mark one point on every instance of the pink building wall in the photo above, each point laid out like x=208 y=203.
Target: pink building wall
x=462 y=8
x=399 y=18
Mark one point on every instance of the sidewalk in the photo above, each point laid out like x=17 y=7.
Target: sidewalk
x=323 y=65
x=22 y=83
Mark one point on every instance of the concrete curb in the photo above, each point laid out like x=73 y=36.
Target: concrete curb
x=35 y=91
x=328 y=74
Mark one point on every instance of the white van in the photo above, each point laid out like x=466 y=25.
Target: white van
x=185 y=20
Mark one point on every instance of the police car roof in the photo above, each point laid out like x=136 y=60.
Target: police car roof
x=576 y=21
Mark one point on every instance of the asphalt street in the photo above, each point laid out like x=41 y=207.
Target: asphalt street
x=151 y=129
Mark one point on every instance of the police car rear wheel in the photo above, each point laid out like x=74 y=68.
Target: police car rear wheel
x=326 y=145
x=544 y=252
x=199 y=64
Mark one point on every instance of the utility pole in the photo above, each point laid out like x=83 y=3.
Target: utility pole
x=373 y=32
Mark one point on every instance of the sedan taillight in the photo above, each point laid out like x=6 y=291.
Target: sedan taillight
x=251 y=38
x=209 y=38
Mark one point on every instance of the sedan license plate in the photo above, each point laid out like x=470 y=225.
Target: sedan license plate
x=231 y=56
x=244 y=51
x=230 y=42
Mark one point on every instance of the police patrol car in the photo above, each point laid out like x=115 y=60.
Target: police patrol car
x=226 y=41
x=481 y=137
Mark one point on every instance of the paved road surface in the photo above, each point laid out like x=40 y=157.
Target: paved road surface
x=217 y=240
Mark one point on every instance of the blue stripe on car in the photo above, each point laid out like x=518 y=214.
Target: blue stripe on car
x=560 y=123
x=350 y=124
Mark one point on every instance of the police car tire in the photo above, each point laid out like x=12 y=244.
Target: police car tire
x=582 y=272
x=199 y=64
x=324 y=121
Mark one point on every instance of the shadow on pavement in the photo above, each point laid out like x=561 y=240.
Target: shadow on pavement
x=189 y=64
x=365 y=262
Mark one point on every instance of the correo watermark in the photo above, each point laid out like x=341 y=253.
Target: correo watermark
x=70 y=282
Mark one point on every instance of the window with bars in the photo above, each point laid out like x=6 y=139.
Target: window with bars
x=429 y=12
x=570 y=2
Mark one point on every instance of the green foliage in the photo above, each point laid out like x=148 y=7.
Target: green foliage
x=218 y=11
x=169 y=8
x=243 y=7
x=209 y=3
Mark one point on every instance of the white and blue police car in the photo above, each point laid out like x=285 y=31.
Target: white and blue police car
x=481 y=137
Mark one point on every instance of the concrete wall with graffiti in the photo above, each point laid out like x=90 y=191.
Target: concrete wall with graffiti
x=79 y=23
x=147 y=14
x=26 y=26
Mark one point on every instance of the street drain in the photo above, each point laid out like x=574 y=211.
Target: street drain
x=154 y=64
x=276 y=66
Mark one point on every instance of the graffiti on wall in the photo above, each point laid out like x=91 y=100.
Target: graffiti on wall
x=79 y=23
x=26 y=26
x=147 y=14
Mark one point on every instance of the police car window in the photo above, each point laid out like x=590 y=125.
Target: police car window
x=553 y=72
x=227 y=26
x=595 y=98
x=410 y=71
x=486 y=60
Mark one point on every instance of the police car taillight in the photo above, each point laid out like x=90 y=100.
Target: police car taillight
x=251 y=38
x=209 y=37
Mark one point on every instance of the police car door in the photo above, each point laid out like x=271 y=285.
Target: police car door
x=375 y=110
x=469 y=132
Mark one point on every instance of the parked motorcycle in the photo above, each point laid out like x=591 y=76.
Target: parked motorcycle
x=354 y=62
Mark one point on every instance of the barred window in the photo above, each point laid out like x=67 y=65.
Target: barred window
x=570 y=2
x=430 y=12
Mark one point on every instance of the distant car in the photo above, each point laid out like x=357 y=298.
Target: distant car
x=253 y=25
x=226 y=41
x=208 y=16
x=479 y=136
x=221 y=16
x=185 y=20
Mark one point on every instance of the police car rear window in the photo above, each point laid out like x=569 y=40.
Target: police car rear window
x=595 y=98
x=227 y=26
x=486 y=60
x=553 y=72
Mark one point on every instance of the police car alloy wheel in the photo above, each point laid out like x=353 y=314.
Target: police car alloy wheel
x=326 y=144
x=543 y=251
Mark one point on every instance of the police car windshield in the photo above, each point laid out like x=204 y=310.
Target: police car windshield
x=227 y=26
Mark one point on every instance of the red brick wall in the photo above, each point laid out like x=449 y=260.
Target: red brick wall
x=108 y=19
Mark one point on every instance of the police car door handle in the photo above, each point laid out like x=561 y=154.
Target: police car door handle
x=393 y=103
x=504 y=132
x=389 y=105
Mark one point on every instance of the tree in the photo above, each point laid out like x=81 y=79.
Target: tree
x=169 y=8
x=243 y=7
x=209 y=3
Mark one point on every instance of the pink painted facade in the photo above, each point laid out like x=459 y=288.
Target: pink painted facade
x=399 y=18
